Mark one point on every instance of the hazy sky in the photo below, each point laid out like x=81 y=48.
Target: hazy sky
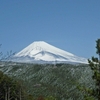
x=72 y=25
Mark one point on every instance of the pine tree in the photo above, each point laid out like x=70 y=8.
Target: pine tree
x=94 y=63
x=98 y=47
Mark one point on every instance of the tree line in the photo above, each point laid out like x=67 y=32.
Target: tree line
x=11 y=89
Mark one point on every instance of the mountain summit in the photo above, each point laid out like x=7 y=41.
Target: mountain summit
x=42 y=52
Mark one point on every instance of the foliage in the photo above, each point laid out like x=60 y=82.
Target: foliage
x=98 y=47
x=94 y=63
x=10 y=89
x=46 y=80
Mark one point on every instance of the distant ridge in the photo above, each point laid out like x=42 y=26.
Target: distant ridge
x=42 y=52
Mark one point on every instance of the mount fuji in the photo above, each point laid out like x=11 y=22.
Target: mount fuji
x=42 y=52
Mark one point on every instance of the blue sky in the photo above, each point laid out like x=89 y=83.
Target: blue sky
x=72 y=25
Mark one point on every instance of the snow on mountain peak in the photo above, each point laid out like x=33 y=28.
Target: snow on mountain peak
x=40 y=50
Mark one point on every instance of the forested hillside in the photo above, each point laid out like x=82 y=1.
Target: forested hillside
x=57 y=81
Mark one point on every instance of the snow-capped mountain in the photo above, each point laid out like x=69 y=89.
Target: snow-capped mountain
x=41 y=52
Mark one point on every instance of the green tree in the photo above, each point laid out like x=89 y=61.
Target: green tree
x=98 y=47
x=11 y=89
x=94 y=63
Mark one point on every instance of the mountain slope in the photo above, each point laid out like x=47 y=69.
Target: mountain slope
x=41 y=51
x=47 y=80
